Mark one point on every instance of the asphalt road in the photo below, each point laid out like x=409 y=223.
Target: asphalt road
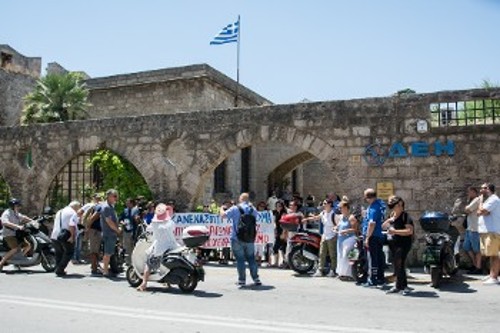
x=35 y=301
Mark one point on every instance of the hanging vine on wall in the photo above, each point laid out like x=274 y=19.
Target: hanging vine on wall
x=120 y=174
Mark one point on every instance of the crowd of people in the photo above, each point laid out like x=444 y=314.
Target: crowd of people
x=98 y=224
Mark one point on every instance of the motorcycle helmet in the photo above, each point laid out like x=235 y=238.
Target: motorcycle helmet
x=14 y=202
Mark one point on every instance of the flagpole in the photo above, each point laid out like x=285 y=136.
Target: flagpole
x=238 y=64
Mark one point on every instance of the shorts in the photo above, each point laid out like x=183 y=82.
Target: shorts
x=11 y=242
x=95 y=239
x=471 y=241
x=109 y=245
x=490 y=244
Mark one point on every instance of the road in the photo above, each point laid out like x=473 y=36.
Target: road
x=35 y=301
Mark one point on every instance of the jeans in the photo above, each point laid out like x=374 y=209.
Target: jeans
x=245 y=252
x=64 y=253
x=78 y=247
x=375 y=245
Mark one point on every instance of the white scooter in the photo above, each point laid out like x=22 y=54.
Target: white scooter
x=179 y=266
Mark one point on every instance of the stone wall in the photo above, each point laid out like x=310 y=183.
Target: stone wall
x=13 y=88
x=166 y=91
x=18 y=76
x=14 y=62
x=177 y=153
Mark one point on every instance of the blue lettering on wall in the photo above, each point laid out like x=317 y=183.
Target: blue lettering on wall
x=397 y=150
x=448 y=148
x=420 y=149
x=417 y=149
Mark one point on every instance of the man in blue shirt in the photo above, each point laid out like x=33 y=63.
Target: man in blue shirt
x=110 y=228
x=242 y=251
x=372 y=232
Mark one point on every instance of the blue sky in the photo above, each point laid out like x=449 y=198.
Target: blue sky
x=290 y=50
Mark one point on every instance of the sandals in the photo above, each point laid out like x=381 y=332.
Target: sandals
x=141 y=288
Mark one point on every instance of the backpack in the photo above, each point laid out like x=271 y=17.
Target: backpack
x=246 y=230
x=87 y=217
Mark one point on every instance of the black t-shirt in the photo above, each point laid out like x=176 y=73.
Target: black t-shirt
x=400 y=224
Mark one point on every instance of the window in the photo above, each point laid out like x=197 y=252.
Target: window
x=75 y=181
x=220 y=178
x=465 y=113
x=5 y=59
x=245 y=169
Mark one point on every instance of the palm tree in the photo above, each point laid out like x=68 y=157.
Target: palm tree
x=57 y=97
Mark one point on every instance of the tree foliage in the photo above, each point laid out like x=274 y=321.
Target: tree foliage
x=4 y=194
x=119 y=174
x=56 y=97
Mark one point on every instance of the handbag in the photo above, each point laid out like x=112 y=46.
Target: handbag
x=64 y=234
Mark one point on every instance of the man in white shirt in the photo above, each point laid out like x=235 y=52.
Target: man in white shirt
x=489 y=230
x=64 y=248
x=272 y=200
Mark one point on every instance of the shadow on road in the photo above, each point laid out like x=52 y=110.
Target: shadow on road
x=459 y=287
x=72 y=276
x=257 y=288
x=24 y=271
x=177 y=291
x=423 y=294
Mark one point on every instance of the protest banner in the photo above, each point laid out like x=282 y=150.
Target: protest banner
x=220 y=229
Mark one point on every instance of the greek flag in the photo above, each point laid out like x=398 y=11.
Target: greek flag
x=229 y=34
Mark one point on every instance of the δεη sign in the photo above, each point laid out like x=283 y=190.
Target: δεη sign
x=377 y=154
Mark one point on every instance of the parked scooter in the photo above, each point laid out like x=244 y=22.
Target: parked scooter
x=41 y=252
x=179 y=266
x=304 y=245
x=439 y=256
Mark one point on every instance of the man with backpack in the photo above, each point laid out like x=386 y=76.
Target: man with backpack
x=91 y=222
x=244 y=219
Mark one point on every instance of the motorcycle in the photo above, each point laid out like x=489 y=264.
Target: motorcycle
x=117 y=259
x=304 y=245
x=439 y=255
x=179 y=266
x=41 y=252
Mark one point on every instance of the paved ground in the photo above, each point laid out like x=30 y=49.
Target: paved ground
x=37 y=301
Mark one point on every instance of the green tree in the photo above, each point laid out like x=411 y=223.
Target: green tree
x=57 y=97
x=120 y=174
x=4 y=194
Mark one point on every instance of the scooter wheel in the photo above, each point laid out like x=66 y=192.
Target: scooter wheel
x=436 y=275
x=189 y=283
x=133 y=278
x=298 y=262
x=48 y=261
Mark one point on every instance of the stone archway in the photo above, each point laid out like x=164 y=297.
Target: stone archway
x=219 y=149
x=46 y=169
x=285 y=168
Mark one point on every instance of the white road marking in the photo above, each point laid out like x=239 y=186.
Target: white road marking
x=241 y=323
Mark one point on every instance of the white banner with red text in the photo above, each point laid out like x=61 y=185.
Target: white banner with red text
x=220 y=229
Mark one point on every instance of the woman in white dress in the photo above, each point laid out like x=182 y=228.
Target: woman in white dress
x=163 y=240
x=346 y=226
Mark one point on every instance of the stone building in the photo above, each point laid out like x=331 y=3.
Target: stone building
x=18 y=75
x=426 y=148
